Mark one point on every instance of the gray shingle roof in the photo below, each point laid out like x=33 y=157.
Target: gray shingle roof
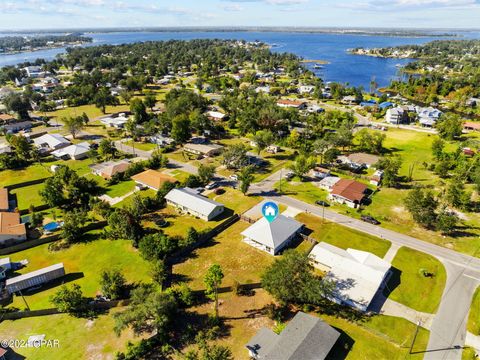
x=306 y=337
x=188 y=198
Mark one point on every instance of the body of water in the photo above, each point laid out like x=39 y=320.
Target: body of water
x=342 y=67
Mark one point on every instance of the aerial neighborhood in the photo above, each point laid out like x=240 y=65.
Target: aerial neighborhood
x=133 y=180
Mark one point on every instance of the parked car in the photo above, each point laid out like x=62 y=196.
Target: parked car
x=370 y=220
x=322 y=203
x=234 y=177
x=289 y=175
x=211 y=185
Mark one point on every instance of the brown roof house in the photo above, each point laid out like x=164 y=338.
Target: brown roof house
x=108 y=169
x=11 y=230
x=363 y=159
x=348 y=192
x=4 y=202
x=296 y=104
x=152 y=179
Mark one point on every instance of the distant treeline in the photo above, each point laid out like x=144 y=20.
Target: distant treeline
x=18 y=43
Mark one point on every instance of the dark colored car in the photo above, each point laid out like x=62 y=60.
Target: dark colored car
x=322 y=203
x=219 y=191
x=370 y=220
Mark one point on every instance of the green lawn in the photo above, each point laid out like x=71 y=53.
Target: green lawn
x=78 y=338
x=91 y=110
x=381 y=337
x=343 y=237
x=473 y=324
x=28 y=195
x=84 y=262
x=141 y=145
x=120 y=189
x=235 y=200
x=410 y=287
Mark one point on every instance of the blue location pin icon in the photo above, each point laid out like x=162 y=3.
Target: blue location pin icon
x=270 y=211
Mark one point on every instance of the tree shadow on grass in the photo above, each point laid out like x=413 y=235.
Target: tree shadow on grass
x=12 y=355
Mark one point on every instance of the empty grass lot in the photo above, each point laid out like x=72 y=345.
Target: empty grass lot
x=78 y=338
x=83 y=265
x=410 y=287
x=343 y=237
x=235 y=200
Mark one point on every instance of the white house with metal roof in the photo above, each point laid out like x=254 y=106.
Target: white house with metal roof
x=188 y=200
x=51 y=142
x=358 y=274
x=74 y=151
x=272 y=237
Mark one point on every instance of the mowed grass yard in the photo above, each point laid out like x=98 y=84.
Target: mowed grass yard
x=410 y=287
x=473 y=324
x=342 y=236
x=78 y=338
x=83 y=265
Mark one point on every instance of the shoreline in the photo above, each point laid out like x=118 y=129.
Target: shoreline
x=60 y=46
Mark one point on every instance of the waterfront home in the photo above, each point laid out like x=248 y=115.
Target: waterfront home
x=272 y=237
x=305 y=337
x=295 y=104
x=208 y=150
x=189 y=201
x=73 y=152
x=358 y=275
x=348 y=192
x=108 y=169
x=51 y=142
x=428 y=116
x=368 y=103
x=152 y=179
x=11 y=228
x=385 y=105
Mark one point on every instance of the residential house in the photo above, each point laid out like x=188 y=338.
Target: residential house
x=319 y=172
x=363 y=160
x=203 y=149
x=35 y=278
x=295 y=104
x=34 y=72
x=152 y=179
x=6 y=119
x=11 y=229
x=349 y=192
x=306 y=337
x=385 y=105
x=272 y=237
x=428 y=116
x=272 y=149
x=161 y=140
x=306 y=89
x=328 y=182
x=396 y=116
x=108 y=169
x=4 y=200
x=73 y=152
x=376 y=178
x=471 y=126
x=358 y=275
x=349 y=100
x=216 y=115
x=368 y=103
x=189 y=201
x=50 y=142
x=263 y=89
x=5 y=148
x=16 y=126
x=117 y=121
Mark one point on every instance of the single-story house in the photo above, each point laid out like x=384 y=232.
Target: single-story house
x=296 y=104
x=203 y=149
x=108 y=169
x=51 y=142
x=272 y=149
x=216 y=115
x=471 y=126
x=349 y=192
x=35 y=278
x=376 y=178
x=16 y=126
x=305 y=337
x=161 y=140
x=319 y=172
x=349 y=100
x=6 y=119
x=328 y=182
x=188 y=200
x=11 y=228
x=274 y=236
x=359 y=275
x=363 y=159
x=74 y=151
x=152 y=179
x=117 y=122
x=306 y=89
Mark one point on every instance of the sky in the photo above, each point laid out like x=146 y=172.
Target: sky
x=54 y=14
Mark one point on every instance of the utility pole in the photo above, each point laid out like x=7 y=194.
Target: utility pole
x=25 y=301
x=280 y=186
